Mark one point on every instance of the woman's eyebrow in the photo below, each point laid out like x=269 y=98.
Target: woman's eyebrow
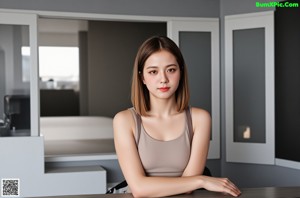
x=155 y=67
x=173 y=64
x=151 y=67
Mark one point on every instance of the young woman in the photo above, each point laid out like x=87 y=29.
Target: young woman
x=161 y=142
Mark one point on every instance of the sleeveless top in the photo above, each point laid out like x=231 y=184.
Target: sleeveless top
x=163 y=158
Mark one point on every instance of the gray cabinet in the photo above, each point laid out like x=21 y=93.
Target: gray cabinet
x=249 y=70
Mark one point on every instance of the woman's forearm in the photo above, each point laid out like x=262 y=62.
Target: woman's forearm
x=165 y=186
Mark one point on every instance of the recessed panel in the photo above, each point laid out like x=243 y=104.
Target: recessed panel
x=196 y=49
x=249 y=85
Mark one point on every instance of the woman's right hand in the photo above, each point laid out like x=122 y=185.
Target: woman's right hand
x=220 y=185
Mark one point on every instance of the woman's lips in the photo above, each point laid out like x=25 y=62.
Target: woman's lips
x=164 y=89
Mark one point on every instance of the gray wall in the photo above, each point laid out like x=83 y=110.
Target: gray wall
x=191 y=8
x=112 y=47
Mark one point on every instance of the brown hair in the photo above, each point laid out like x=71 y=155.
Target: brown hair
x=139 y=93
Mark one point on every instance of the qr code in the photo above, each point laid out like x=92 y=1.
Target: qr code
x=10 y=187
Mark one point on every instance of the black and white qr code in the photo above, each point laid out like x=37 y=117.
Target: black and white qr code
x=10 y=187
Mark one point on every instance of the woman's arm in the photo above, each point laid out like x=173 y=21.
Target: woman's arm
x=139 y=183
x=200 y=144
x=199 y=151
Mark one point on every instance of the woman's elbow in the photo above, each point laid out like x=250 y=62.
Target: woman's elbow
x=136 y=195
x=138 y=191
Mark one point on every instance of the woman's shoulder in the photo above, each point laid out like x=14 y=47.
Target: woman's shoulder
x=124 y=126
x=200 y=114
x=201 y=120
x=123 y=115
x=124 y=118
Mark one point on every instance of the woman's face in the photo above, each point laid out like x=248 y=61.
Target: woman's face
x=161 y=74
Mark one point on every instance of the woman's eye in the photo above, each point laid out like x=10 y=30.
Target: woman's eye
x=152 y=72
x=172 y=70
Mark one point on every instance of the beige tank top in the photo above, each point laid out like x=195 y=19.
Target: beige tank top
x=163 y=158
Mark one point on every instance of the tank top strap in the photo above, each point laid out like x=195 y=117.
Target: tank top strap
x=137 y=119
x=189 y=123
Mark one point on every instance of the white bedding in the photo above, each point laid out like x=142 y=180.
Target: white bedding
x=76 y=128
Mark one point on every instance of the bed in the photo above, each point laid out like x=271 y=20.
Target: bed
x=77 y=138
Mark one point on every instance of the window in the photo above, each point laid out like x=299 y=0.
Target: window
x=25 y=64
x=59 y=67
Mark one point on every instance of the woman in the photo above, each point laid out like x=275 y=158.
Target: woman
x=161 y=142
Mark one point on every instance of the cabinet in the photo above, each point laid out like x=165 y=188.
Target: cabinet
x=249 y=72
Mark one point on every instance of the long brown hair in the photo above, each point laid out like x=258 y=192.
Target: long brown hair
x=139 y=93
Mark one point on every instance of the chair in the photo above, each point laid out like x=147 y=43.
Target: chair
x=207 y=172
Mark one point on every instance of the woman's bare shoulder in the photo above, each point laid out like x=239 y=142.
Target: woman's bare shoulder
x=125 y=114
x=123 y=119
x=200 y=115
x=201 y=121
x=200 y=111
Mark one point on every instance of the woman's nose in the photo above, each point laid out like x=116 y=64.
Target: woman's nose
x=164 y=78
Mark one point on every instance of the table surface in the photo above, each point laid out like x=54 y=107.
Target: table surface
x=267 y=192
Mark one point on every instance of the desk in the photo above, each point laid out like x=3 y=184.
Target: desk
x=269 y=192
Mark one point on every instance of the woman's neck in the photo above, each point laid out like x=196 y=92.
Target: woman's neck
x=163 y=107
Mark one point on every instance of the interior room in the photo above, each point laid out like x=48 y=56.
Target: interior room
x=66 y=70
